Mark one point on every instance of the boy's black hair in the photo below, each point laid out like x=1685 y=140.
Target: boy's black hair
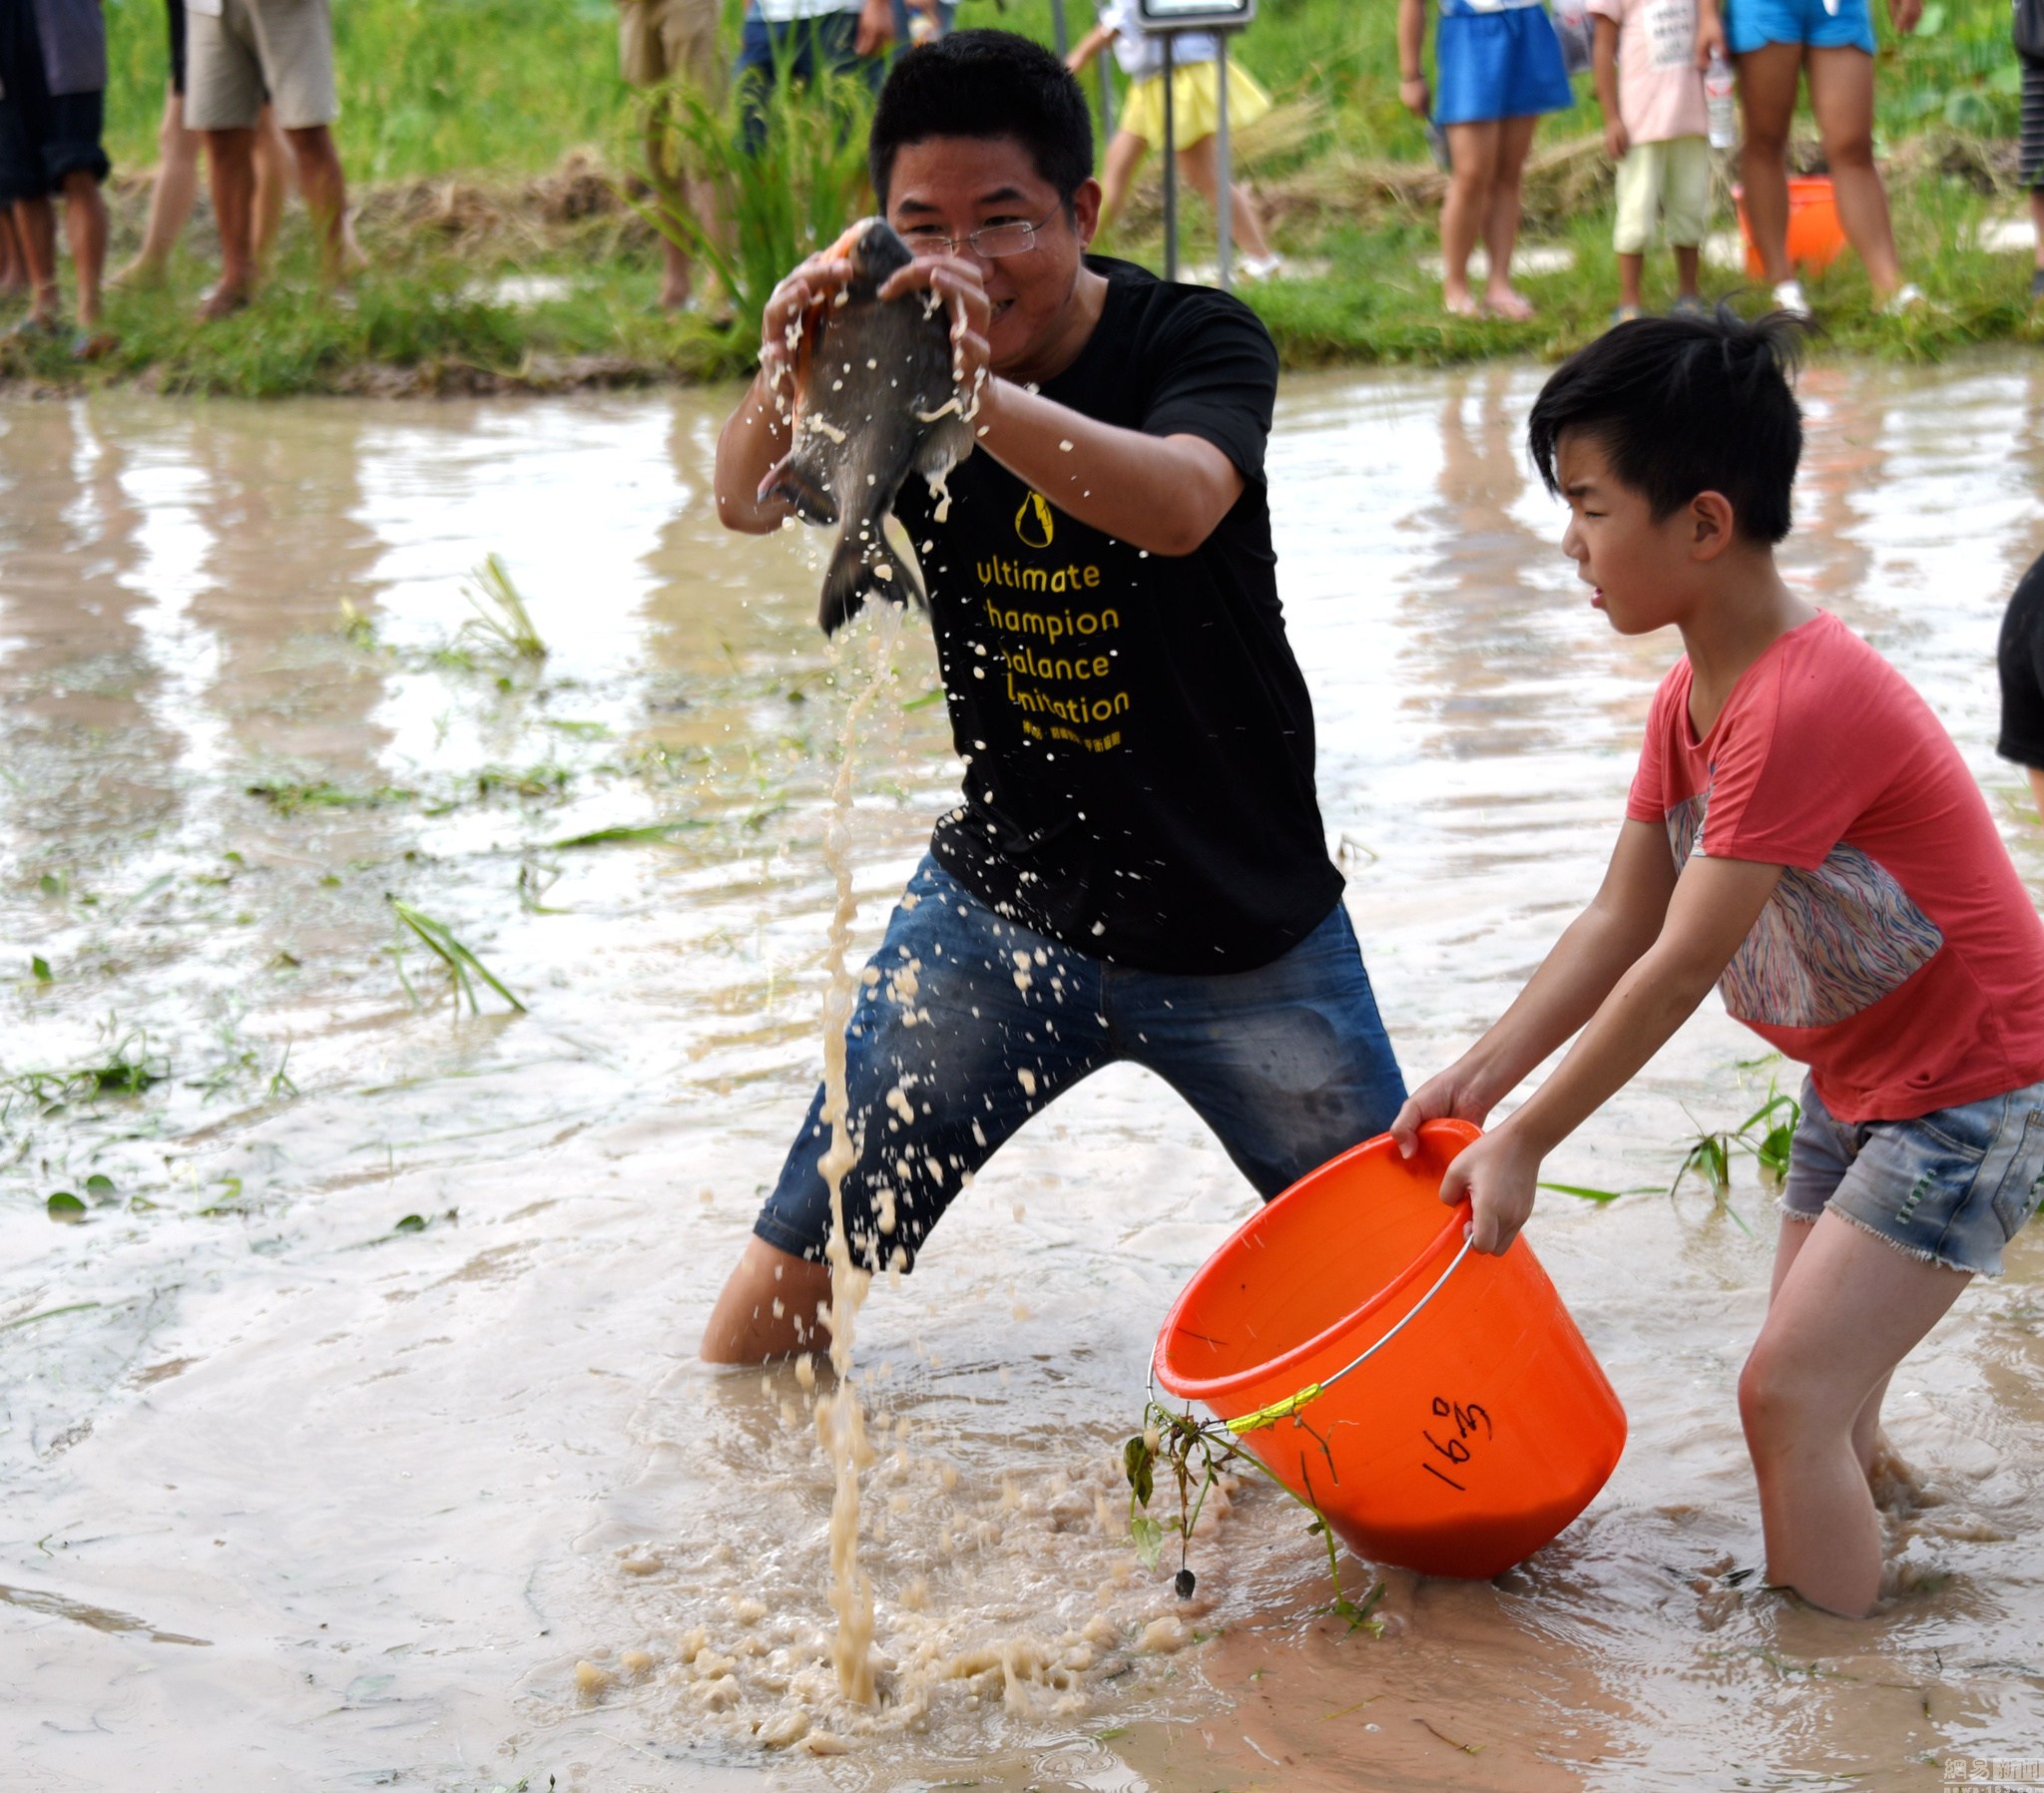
x=1683 y=405
x=985 y=84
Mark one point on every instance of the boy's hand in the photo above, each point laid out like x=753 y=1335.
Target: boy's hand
x=1415 y=97
x=958 y=281
x=1499 y=1178
x=1616 y=141
x=1452 y=1096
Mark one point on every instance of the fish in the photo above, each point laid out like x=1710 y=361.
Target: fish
x=876 y=398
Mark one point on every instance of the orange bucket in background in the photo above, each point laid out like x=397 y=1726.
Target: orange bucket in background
x=1477 y=1431
x=1815 y=238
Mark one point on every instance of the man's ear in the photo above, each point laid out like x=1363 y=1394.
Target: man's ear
x=1713 y=525
x=1086 y=211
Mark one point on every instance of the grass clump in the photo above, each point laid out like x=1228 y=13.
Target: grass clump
x=502 y=627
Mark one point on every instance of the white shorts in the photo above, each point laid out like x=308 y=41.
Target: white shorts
x=1672 y=178
x=239 y=49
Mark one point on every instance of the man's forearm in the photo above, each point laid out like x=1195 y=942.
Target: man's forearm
x=752 y=439
x=1161 y=493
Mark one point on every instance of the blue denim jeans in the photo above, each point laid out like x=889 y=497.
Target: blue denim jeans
x=968 y=1024
x=1950 y=1188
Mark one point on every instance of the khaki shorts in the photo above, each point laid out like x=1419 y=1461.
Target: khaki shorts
x=1673 y=179
x=659 y=40
x=236 y=49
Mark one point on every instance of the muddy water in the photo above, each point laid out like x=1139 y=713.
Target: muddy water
x=297 y=1495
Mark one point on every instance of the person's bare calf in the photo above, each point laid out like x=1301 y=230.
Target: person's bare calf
x=773 y=1305
x=35 y=228
x=85 y=228
x=231 y=162
x=325 y=185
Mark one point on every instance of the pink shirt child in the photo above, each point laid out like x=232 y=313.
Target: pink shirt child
x=1900 y=957
x=1660 y=88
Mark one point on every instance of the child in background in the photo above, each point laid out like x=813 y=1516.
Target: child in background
x=1196 y=100
x=1801 y=833
x=1498 y=66
x=1648 y=61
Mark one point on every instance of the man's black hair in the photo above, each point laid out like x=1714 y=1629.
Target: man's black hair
x=985 y=84
x=1682 y=406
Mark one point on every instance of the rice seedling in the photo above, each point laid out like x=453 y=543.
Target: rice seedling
x=629 y=836
x=1193 y=1452
x=128 y=1069
x=463 y=967
x=290 y=798
x=502 y=627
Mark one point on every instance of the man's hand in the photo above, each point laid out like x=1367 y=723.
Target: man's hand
x=1499 y=1177
x=875 y=28
x=813 y=282
x=1454 y=1095
x=1616 y=141
x=1416 y=97
x=957 y=282
x=1904 y=14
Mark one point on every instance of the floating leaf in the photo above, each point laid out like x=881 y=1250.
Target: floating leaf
x=99 y=1188
x=65 y=1206
x=1581 y=1193
x=927 y=701
x=650 y=831
x=411 y=1223
x=40 y=968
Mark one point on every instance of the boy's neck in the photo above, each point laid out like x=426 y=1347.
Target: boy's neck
x=1747 y=610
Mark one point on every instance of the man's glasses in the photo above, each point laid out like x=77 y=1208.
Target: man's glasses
x=991 y=244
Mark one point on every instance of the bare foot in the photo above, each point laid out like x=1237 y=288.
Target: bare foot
x=1460 y=304
x=223 y=301
x=1503 y=303
x=141 y=276
x=94 y=346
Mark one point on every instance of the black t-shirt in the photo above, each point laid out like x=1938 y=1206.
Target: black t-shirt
x=1138 y=739
x=2021 y=663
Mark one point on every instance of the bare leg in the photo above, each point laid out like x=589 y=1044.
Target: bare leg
x=1200 y=162
x=1472 y=154
x=1867 y=1436
x=1630 y=269
x=13 y=269
x=676 y=273
x=2036 y=776
x=230 y=160
x=170 y=199
x=2037 y=222
x=1841 y=96
x=1846 y=1309
x=35 y=226
x=1685 y=271
x=325 y=188
x=85 y=228
x=1501 y=217
x=771 y=1307
x=273 y=185
x=1125 y=155
x=1766 y=94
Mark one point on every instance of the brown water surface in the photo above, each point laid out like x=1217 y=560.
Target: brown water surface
x=297 y=1496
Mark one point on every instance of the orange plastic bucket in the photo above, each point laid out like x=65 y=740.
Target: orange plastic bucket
x=1815 y=238
x=1479 y=1429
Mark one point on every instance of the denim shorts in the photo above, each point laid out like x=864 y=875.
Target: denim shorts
x=1499 y=65
x=1843 y=25
x=1951 y=1187
x=968 y=1024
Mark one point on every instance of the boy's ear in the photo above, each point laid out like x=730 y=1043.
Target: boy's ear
x=1713 y=525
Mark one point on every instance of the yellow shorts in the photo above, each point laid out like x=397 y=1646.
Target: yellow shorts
x=1195 y=103
x=659 y=40
x=1672 y=178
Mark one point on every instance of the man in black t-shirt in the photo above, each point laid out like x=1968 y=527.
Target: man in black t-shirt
x=1137 y=868
x=2020 y=661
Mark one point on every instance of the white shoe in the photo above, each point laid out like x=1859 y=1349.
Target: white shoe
x=1790 y=297
x=1906 y=297
x=1261 y=268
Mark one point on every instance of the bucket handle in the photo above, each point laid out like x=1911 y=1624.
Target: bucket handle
x=1290 y=1406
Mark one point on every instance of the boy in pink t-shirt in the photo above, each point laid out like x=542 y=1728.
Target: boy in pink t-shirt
x=1647 y=63
x=1802 y=834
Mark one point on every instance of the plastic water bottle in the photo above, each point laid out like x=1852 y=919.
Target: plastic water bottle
x=1719 y=112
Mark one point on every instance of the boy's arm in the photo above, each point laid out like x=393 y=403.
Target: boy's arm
x=1604 y=72
x=1622 y=921
x=1715 y=906
x=1412 y=92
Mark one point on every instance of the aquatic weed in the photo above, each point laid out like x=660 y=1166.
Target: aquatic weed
x=502 y=627
x=462 y=966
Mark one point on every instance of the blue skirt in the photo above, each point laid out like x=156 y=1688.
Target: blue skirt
x=1499 y=65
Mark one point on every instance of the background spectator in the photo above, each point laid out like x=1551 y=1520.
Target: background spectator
x=923 y=21
x=1196 y=116
x=660 y=42
x=240 y=49
x=1498 y=66
x=13 y=271
x=177 y=176
x=1775 y=43
x=1648 y=59
x=53 y=79
x=797 y=40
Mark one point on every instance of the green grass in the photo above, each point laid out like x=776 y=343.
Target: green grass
x=484 y=97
